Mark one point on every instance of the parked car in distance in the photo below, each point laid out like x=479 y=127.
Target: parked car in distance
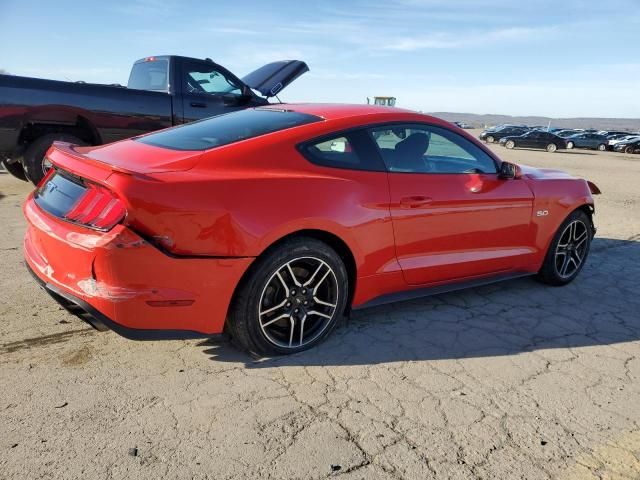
x=629 y=146
x=616 y=139
x=566 y=132
x=535 y=139
x=463 y=125
x=251 y=223
x=613 y=132
x=162 y=91
x=593 y=141
x=491 y=136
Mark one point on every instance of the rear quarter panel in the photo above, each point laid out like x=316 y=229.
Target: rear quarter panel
x=227 y=207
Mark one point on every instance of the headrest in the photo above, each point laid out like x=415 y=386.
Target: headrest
x=414 y=144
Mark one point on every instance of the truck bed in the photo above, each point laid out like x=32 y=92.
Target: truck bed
x=115 y=112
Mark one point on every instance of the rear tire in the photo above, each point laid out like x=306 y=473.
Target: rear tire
x=602 y=147
x=15 y=169
x=34 y=154
x=568 y=251
x=490 y=139
x=269 y=316
x=552 y=147
x=628 y=150
x=570 y=145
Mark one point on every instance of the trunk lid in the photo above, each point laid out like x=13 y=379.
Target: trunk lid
x=127 y=156
x=271 y=78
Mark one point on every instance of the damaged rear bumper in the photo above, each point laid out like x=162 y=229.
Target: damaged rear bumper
x=118 y=280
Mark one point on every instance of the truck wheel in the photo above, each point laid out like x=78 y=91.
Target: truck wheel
x=15 y=169
x=33 y=158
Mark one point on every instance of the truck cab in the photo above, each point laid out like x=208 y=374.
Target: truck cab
x=162 y=91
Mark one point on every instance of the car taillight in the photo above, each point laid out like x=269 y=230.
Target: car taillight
x=46 y=177
x=98 y=207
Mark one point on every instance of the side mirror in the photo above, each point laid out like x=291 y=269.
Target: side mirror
x=246 y=91
x=508 y=170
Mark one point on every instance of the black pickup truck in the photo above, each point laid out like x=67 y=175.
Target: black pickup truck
x=162 y=91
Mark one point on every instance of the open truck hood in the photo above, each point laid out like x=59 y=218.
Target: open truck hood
x=273 y=77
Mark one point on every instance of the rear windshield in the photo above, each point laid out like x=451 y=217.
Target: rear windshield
x=229 y=128
x=150 y=75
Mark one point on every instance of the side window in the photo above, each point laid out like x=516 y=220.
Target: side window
x=351 y=150
x=429 y=149
x=205 y=79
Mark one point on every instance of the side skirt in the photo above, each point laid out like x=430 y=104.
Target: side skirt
x=439 y=289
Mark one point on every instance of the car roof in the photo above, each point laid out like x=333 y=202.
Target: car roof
x=334 y=111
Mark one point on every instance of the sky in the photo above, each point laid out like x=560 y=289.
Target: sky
x=558 y=58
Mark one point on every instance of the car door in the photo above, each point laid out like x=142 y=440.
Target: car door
x=599 y=140
x=586 y=141
x=453 y=217
x=209 y=90
x=582 y=141
x=546 y=139
x=530 y=140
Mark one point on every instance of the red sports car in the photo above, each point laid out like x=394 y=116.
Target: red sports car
x=272 y=223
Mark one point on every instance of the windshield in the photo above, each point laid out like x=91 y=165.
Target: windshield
x=225 y=129
x=150 y=75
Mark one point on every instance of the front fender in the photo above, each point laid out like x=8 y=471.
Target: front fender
x=554 y=200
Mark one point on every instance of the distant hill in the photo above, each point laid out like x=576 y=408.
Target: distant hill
x=479 y=121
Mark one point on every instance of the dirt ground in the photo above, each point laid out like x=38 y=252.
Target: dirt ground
x=513 y=380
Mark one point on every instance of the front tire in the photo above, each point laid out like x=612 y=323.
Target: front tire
x=33 y=159
x=568 y=251
x=570 y=145
x=291 y=299
x=628 y=150
x=510 y=144
x=490 y=139
x=602 y=147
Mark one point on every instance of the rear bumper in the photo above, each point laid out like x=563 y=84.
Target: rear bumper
x=118 y=280
x=101 y=322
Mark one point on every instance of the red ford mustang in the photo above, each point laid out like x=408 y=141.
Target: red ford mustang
x=272 y=223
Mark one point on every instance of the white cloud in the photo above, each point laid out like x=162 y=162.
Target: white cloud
x=475 y=38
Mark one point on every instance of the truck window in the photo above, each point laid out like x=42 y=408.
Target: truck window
x=150 y=75
x=202 y=78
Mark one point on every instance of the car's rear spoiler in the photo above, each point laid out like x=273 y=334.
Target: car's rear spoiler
x=64 y=155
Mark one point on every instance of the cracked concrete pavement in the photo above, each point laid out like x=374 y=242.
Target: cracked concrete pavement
x=512 y=380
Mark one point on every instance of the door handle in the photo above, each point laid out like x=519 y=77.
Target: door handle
x=199 y=104
x=415 y=201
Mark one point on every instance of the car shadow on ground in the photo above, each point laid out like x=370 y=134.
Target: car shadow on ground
x=599 y=308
